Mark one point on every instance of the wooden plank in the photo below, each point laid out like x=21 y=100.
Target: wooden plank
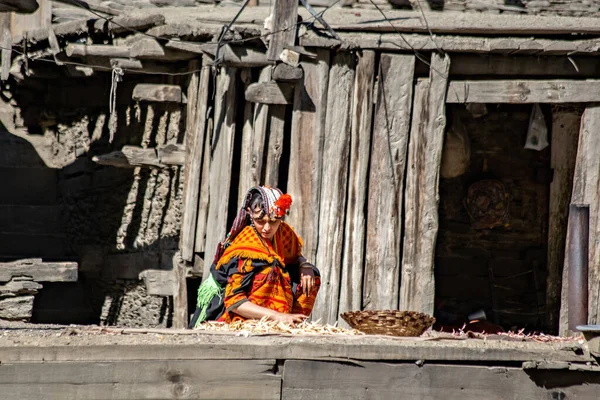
x=6 y=43
x=221 y=155
x=149 y=48
x=180 y=299
x=135 y=156
x=127 y=23
x=586 y=186
x=360 y=146
x=231 y=56
x=194 y=139
x=157 y=93
x=270 y=93
x=285 y=18
x=275 y=145
x=313 y=379
x=386 y=177
x=141 y=380
x=39 y=270
x=417 y=289
x=83 y=50
x=247 y=177
x=336 y=147
x=565 y=134
x=287 y=73
x=524 y=91
x=306 y=149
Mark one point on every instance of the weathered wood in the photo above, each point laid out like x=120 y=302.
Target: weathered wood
x=386 y=177
x=275 y=145
x=417 y=289
x=336 y=147
x=129 y=24
x=450 y=43
x=221 y=153
x=586 y=186
x=6 y=43
x=565 y=133
x=287 y=73
x=141 y=380
x=180 y=300
x=91 y=6
x=157 y=92
x=149 y=48
x=254 y=134
x=306 y=149
x=16 y=308
x=270 y=93
x=160 y=283
x=135 y=156
x=82 y=50
x=360 y=146
x=19 y=285
x=524 y=91
x=194 y=139
x=39 y=270
x=311 y=379
x=285 y=18
x=238 y=56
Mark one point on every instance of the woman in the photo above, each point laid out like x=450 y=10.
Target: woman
x=258 y=270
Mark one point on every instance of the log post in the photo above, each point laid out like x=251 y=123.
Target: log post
x=336 y=148
x=285 y=17
x=417 y=289
x=565 y=132
x=360 y=147
x=386 y=175
x=586 y=186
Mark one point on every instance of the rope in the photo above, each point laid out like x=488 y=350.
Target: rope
x=117 y=76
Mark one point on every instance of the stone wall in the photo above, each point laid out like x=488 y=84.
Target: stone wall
x=501 y=270
x=116 y=222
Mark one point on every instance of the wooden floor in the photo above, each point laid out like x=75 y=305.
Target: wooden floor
x=211 y=366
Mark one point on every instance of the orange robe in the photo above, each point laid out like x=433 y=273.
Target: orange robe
x=261 y=272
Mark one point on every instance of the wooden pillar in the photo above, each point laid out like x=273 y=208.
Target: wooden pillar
x=360 y=148
x=417 y=290
x=586 y=189
x=221 y=155
x=333 y=185
x=386 y=181
x=306 y=149
x=565 y=133
x=285 y=18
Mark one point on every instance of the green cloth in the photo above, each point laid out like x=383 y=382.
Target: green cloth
x=206 y=292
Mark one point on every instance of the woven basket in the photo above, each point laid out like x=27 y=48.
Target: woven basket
x=389 y=322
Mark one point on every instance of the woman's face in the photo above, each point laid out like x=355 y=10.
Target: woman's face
x=265 y=226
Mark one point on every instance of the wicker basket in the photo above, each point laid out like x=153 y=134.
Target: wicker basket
x=389 y=322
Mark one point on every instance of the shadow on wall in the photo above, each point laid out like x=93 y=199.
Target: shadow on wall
x=116 y=222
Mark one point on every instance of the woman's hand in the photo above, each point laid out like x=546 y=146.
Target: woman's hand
x=290 y=319
x=307 y=279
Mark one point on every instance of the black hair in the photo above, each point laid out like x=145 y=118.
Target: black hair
x=257 y=203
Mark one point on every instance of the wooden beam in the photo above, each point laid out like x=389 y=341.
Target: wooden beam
x=39 y=270
x=129 y=24
x=285 y=18
x=221 y=156
x=236 y=56
x=195 y=147
x=524 y=91
x=417 y=289
x=353 y=260
x=6 y=43
x=158 y=93
x=180 y=299
x=287 y=73
x=135 y=156
x=386 y=174
x=313 y=379
x=306 y=149
x=82 y=50
x=586 y=186
x=336 y=148
x=565 y=134
x=454 y=44
x=91 y=6
x=270 y=93
x=150 y=49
